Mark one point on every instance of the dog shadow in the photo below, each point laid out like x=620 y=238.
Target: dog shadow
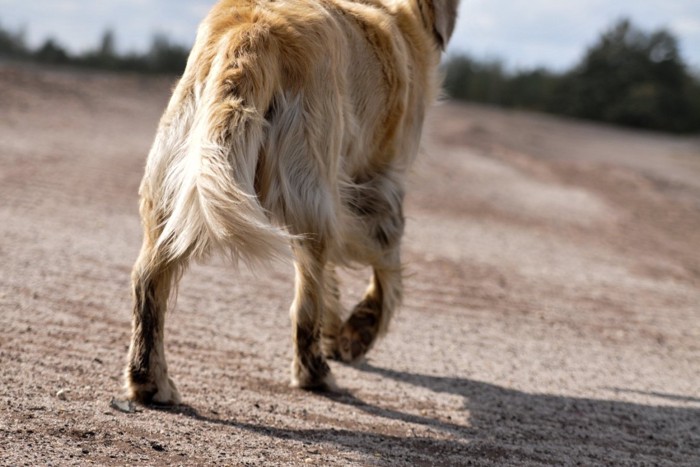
x=507 y=426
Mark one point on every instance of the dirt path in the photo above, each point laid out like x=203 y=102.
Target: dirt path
x=551 y=314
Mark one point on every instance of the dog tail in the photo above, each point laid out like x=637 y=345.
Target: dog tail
x=210 y=187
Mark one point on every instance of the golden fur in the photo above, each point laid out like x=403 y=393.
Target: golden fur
x=294 y=122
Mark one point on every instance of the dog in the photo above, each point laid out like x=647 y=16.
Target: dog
x=294 y=124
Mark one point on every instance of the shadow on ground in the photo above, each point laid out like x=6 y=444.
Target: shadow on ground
x=510 y=427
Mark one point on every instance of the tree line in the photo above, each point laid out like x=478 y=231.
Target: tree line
x=627 y=77
x=163 y=56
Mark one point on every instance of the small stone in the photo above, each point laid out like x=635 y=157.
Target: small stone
x=122 y=406
x=62 y=394
x=157 y=447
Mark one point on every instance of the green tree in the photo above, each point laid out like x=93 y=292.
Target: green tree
x=104 y=56
x=13 y=44
x=166 y=57
x=107 y=45
x=628 y=77
x=633 y=78
x=51 y=52
x=477 y=81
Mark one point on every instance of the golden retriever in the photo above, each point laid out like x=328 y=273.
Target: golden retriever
x=294 y=123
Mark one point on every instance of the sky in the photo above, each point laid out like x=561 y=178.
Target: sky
x=522 y=33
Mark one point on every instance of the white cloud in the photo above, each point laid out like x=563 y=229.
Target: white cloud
x=556 y=33
x=687 y=26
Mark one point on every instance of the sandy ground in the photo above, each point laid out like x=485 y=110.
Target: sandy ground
x=551 y=311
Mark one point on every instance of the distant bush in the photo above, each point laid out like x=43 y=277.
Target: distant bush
x=162 y=57
x=12 y=44
x=51 y=52
x=166 y=56
x=628 y=77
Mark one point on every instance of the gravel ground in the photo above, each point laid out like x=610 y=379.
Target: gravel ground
x=551 y=311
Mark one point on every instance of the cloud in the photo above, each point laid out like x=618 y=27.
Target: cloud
x=556 y=33
x=687 y=26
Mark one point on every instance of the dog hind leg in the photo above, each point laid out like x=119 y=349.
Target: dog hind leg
x=153 y=276
x=146 y=374
x=379 y=207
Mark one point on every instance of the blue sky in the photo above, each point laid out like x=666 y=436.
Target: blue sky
x=524 y=33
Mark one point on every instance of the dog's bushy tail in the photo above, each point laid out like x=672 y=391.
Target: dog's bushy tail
x=210 y=187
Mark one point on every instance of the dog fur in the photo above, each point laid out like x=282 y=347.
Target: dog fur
x=294 y=123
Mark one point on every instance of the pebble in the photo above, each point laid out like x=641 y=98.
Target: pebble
x=122 y=406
